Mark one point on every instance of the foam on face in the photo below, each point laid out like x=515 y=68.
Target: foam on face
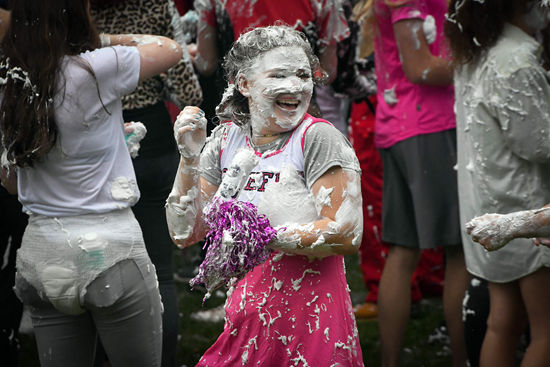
x=280 y=89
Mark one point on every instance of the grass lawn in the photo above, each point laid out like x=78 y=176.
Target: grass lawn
x=197 y=335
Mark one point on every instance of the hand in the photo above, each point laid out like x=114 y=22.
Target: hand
x=128 y=128
x=190 y=132
x=542 y=241
x=192 y=50
x=491 y=231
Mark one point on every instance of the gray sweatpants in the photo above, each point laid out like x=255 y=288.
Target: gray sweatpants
x=123 y=308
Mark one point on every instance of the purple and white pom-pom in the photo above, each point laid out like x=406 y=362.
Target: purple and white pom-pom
x=236 y=243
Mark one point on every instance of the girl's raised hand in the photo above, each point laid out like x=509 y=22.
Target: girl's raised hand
x=190 y=132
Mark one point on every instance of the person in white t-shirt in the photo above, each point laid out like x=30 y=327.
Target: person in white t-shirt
x=82 y=267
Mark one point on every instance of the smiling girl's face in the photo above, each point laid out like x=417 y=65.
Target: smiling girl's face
x=278 y=86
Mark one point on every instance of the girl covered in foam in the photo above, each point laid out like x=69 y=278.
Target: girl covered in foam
x=295 y=308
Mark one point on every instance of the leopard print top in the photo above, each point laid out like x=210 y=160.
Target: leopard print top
x=159 y=17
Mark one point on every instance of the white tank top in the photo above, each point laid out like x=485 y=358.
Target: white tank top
x=292 y=200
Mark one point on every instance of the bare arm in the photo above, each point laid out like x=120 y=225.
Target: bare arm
x=4 y=22
x=419 y=64
x=205 y=57
x=157 y=53
x=340 y=228
x=329 y=61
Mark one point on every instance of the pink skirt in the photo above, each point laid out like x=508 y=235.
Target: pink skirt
x=289 y=311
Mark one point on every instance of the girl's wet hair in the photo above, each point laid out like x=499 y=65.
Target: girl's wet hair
x=243 y=54
x=474 y=26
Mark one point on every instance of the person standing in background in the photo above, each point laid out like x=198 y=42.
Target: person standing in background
x=503 y=125
x=415 y=132
x=427 y=279
x=428 y=276
x=157 y=159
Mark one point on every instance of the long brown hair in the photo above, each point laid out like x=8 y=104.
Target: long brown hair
x=40 y=34
x=473 y=27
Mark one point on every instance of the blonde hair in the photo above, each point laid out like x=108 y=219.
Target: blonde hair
x=363 y=14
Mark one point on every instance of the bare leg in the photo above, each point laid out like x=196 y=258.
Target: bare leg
x=456 y=282
x=507 y=320
x=394 y=301
x=536 y=296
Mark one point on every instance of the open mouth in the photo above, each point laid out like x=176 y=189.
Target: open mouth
x=289 y=104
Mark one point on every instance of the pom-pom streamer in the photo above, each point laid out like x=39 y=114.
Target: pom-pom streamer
x=236 y=243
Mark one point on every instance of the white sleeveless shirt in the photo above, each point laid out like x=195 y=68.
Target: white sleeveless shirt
x=276 y=185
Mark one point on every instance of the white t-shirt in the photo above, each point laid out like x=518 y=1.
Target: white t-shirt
x=89 y=170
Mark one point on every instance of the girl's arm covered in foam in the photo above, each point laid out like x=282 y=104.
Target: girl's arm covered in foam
x=190 y=192
x=340 y=227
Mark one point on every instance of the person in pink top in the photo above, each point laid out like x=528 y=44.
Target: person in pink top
x=415 y=133
x=294 y=308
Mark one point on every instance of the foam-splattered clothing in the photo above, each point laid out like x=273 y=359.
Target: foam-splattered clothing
x=79 y=195
x=405 y=109
x=503 y=139
x=289 y=310
x=89 y=170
